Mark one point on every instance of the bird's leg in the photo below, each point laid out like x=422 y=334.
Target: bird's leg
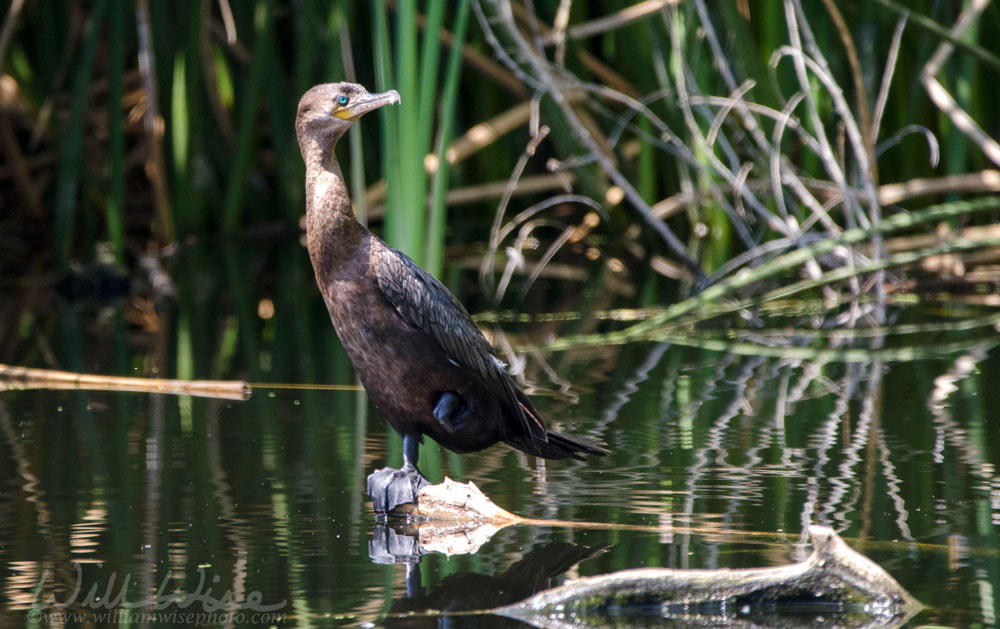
x=411 y=452
x=389 y=487
x=413 y=580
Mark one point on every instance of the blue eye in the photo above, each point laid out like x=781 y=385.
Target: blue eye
x=342 y=100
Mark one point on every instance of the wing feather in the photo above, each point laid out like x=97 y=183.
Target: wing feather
x=426 y=304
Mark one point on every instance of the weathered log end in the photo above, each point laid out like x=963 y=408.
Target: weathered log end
x=453 y=502
x=449 y=500
x=839 y=568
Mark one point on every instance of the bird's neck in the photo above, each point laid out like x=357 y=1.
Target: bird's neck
x=333 y=235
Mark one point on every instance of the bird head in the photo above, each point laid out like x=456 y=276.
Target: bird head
x=327 y=110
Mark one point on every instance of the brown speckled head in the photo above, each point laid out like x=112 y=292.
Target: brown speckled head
x=327 y=110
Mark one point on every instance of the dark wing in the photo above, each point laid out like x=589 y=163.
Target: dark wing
x=427 y=304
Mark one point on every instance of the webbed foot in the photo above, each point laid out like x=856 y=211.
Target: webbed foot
x=389 y=487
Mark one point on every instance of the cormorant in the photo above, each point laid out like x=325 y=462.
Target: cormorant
x=419 y=355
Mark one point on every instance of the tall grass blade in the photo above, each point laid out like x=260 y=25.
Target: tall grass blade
x=404 y=224
x=70 y=162
x=384 y=80
x=288 y=187
x=339 y=23
x=427 y=85
x=438 y=210
x=115 y=199
x=307 y=19
x=180 y=135
x=239 y=174
x=153 y=123
x=187 y=114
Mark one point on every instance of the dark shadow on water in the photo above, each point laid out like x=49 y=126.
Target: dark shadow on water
x=537 y=570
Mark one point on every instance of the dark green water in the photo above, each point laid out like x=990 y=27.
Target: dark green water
x=717 y=461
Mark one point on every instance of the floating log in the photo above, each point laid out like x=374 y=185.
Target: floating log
x=835 y=584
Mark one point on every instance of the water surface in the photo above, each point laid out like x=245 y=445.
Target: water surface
x=718 y=460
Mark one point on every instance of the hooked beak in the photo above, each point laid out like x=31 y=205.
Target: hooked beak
x=361 y=105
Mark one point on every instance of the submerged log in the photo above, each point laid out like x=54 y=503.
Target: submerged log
x=834 y=584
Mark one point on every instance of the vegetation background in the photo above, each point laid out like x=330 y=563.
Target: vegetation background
x=646 y=143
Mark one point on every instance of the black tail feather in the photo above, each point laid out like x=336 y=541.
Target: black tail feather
x=533 y=437
x=558 y=446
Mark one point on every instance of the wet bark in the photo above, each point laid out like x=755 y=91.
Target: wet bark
x=835 y=585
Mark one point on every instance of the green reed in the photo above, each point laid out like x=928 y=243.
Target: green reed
x=71 y=153
x=231 y=162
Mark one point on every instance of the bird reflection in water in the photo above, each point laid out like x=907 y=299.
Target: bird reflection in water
x=537 y=570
